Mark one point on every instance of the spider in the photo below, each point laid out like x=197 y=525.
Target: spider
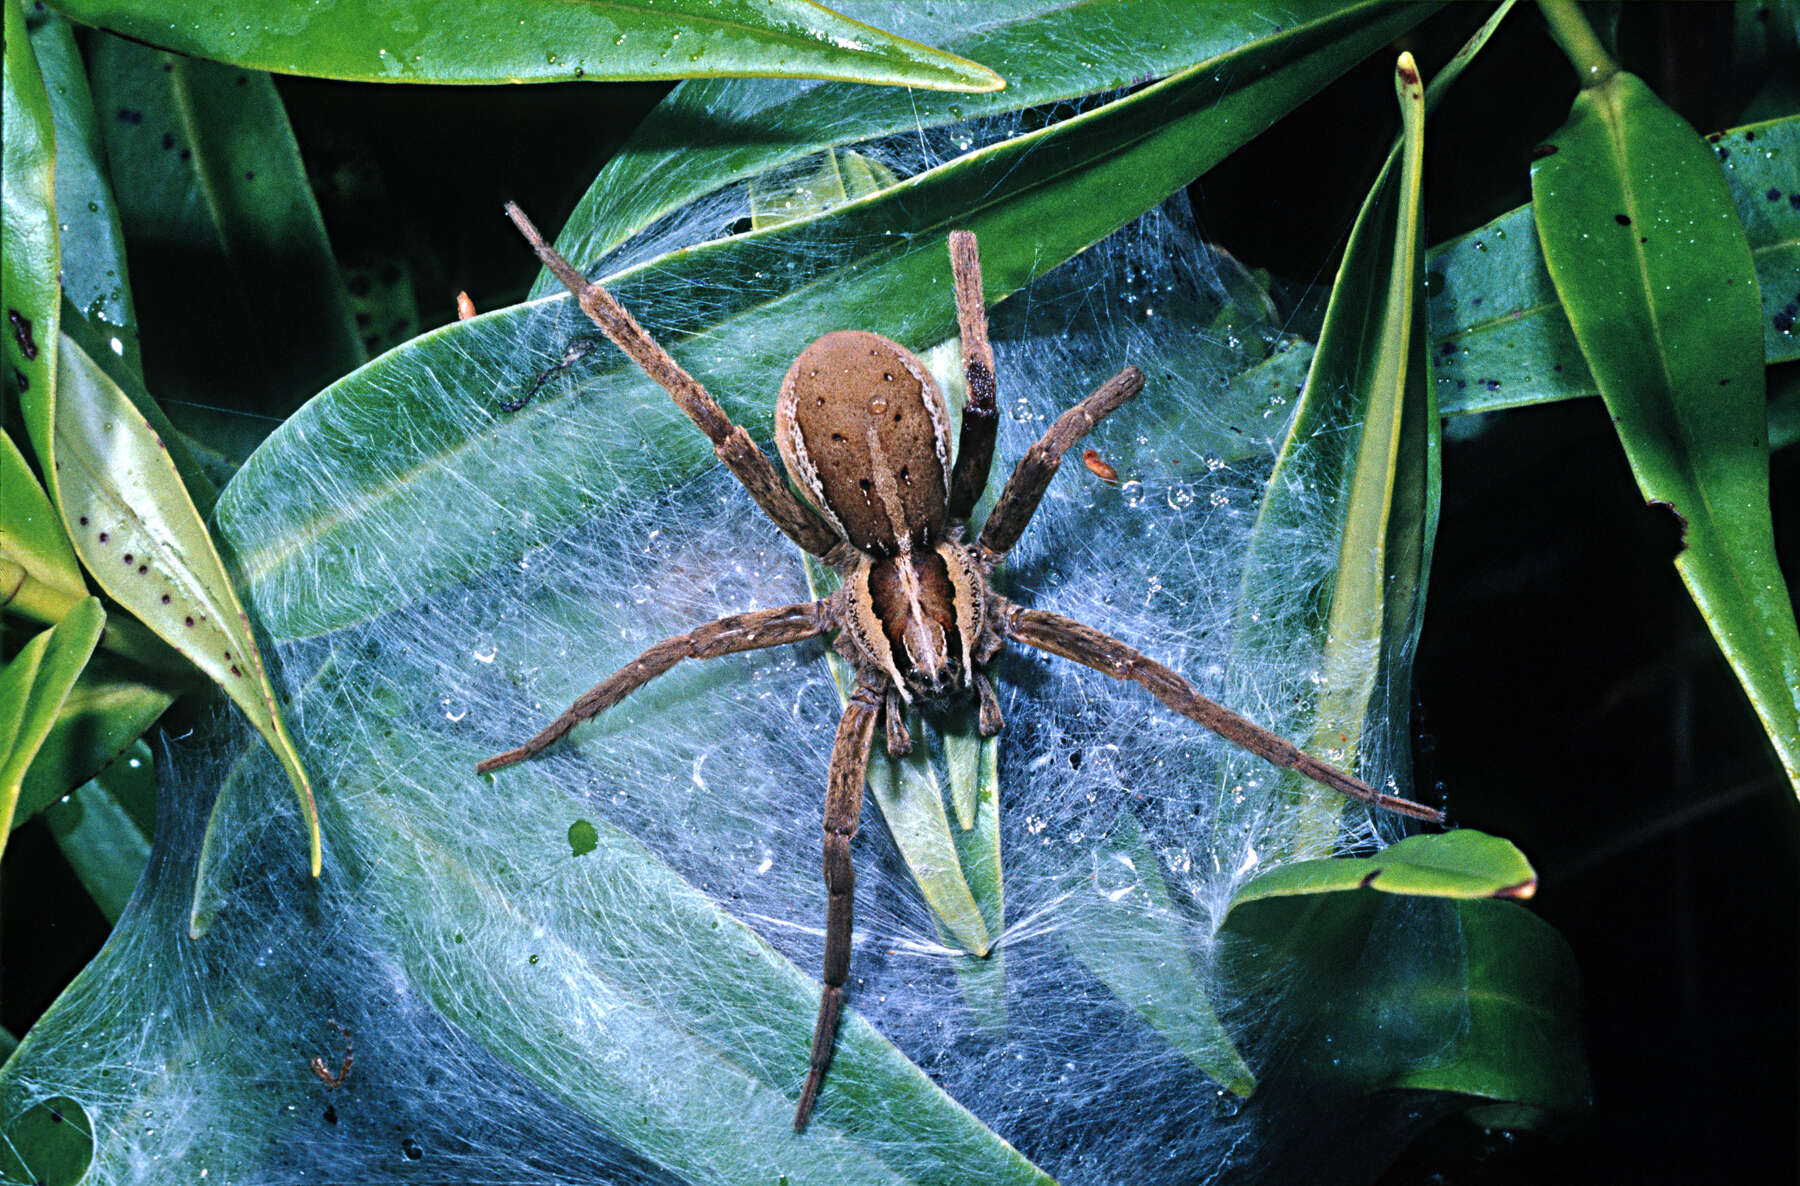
x=865 y=436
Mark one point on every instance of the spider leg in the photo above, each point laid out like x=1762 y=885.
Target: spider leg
x=732 y=444
x=893 y=712
x=843 y=811
x=1019 y=500
x=1107 y=655
x=975 y=441
x=725 y=636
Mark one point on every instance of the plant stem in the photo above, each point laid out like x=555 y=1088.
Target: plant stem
x=1593 y=65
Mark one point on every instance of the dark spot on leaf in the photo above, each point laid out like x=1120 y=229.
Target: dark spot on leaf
x=1074 y=759
x=82 y=520
x=1724 y=153
x=1783 y=322
x=1543 y=150
x=165 y=599
x=22 y=333
x=250 y=175
x=128 y=557
x=142 y=569
x=168 y=67
x=330 y=1114
x=130 y=115
x=364 y=320
x=189 y=620
x=1643 y=239
x=1491 y=384
x=21 y=381
x=187 y=154
x=1622 y=219
x=234 y=670
x=103 y=537
x=1680 y=522
x=411 y=1148
x=1749 y=136
x=1794 y=200
x=168 y=141
x=242 y=80
x=1774 y=195
x=1409 y=76
x=1369 y=879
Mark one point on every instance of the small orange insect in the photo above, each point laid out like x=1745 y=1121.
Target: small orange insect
x=1097 y=466
x=465 y=308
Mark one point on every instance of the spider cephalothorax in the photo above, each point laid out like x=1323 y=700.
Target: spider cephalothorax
x=865 y=435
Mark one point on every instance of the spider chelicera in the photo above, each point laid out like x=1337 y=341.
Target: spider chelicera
x=865 y=436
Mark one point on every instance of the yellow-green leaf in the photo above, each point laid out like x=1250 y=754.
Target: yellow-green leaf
x=32 y=689
x=135 y=528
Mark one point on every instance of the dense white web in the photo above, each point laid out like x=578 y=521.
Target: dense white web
x=601 y=966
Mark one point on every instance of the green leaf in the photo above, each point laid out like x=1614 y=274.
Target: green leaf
x=690 y=145
x=109 y=709
x=1500 y=337
x=1405 y=973
x=138 y=533
x=1523 y=1043
x=1649 y=256
x=1365 y=432
x=1460 y=864
x=1133 y=940
x=236 y=284
x=29 y=254
x=50 y=1143
x=538 y=41
x=418 y=436
x=32 y=689
x=104 y=829
x=93 y=248
x=32 y=538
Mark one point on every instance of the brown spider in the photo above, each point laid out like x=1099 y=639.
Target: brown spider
x=865 y=436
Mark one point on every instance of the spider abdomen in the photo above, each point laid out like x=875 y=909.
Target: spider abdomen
x=865 y=435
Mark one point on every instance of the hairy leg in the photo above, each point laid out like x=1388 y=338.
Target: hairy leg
x=843 y=811
x=1019 y=500
x=725 y=636
x=730 y=442
x=1107 y=655
x=975 y=441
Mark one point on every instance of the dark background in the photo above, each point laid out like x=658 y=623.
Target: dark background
x=1568 y=695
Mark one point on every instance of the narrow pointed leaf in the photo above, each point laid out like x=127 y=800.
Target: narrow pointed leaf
x=1366 y=431
x=235 y=280
x=104 y=828
x=139 y=535
x=1651 y=261
x=1500 y=337
x=94 y=275
x=538 y=41
x=33 y=686
x=31 y=535
x=688 y=147
x=29 y=256
x=105 y=714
